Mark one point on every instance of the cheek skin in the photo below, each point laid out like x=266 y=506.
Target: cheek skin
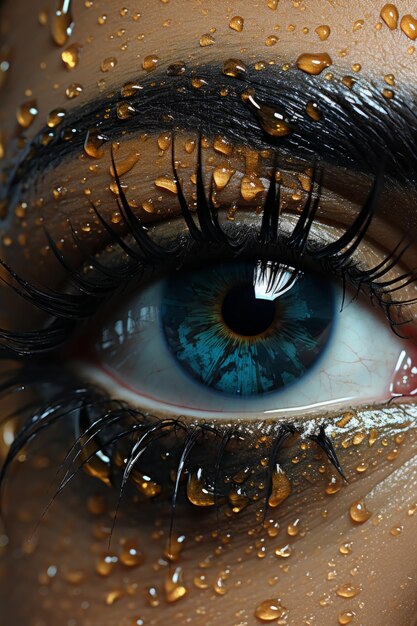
x=321 y=557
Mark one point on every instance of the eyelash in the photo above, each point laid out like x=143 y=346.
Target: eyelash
x=145 y=254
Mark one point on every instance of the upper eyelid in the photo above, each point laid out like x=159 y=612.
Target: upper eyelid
x=357 y=124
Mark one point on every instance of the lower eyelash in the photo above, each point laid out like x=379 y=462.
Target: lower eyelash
x=87 y=295
x=118 y=445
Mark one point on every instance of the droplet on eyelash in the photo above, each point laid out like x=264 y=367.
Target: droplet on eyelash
x=270 y=610
x=130 y=554
x=347 y=590
x=198 y=492
x=313 y=111
x=26 y=113
x=281 y=488
x=323 y=31
x=56 y=117
x=125 y=110
x=94 y=144
x=389 y=15
x=314 y=63
x=174 y=586
x=234 y=68
x=358 y=512
x=237 y=23
x=62 y=23
x=272 y=119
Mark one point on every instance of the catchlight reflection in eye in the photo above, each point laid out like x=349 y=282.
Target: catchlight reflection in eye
x=245 y=336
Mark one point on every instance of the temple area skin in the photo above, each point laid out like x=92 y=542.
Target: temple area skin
x=146 y=146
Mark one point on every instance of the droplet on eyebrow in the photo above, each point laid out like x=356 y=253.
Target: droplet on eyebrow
x=125 y=110
x=27 y=113
x=314 y=63
x=62 y=23
x=272 y=119
x=235 y=68
x=389 y=15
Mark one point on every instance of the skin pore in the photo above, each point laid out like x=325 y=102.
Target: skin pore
x=156 y=74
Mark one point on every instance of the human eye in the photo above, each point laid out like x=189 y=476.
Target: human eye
x=209 y=318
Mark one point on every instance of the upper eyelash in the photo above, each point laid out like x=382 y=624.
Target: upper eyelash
x=68 y=309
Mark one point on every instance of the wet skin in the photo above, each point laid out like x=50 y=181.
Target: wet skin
x=333 y=551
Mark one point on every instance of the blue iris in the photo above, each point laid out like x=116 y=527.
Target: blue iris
x=239 y=344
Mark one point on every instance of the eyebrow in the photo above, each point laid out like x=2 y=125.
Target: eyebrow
x=359 y=128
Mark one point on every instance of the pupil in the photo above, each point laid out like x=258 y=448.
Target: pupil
x=245 y=314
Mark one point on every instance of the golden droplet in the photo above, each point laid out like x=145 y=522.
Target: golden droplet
x=130 y=89
x=345 y=548
x=62 y=23
x=125 y=110
x=283 y=551
x=108 y=64
x=106 y=564
x=358 y=512
x=271 y=40
x=396 y=530
x=70 y=56
x=270 y=610
x=313 y=111
x=147 y=205
x=389 y=15
x=323 y=31
x=347 y=591
x=348 y=81
x=346 y=617
x=125 y=164
x=356 y=67
x=56 y=117
x=272 y=119
x=206 y=40
x=238 y=500
x=164 y=141
x=201 y=581
x=250 y=187
x=175 y=547
x=220 y=586
x=222 y=145
x=237 y=23
x=190 y=145
x=114 y=595
x=314 y=63
x=169 y=184
x=145 y=484
x=174 y=586
x=272 y=4
x=234 y=68
x=197 y=491
x=281 y=488
x=150 y=62
x=94 y=144
x=27 y=113
x=73 y=91
x=222 y=175
x=130 y=555
x=176 y=69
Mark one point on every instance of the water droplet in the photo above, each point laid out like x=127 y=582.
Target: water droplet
x=250 y=187
x=73 y=91
x=313 y=111
x=221 y=176
x=200 y=581
x=358 y=25
x=164 y=141
x=190 y=145
x=125 y=110
x=198 y=83
x=347 y=591
x=108 y=64
x=238 y=500
x=323 y=31
x=281 y=488
x=314 y=63
x=70 y=56
x=152 y=597
x=356 y=67
x=294 y=528
x=271 y=40
x=358 y=512
x=130 y=555
x=130 y=89
x=283 y=551
x=388 y=94
x=348 y=81
x=396 y=530
x=114 y=595
x=174 y=586
x=272 y=119
x=237 y=23
x=220 y=586
x=27 y=113
x=62 y=23
x=56 y=117
x=270 y=610
x=176 y=69
x=94 y=144
x=145 y=484
x=197 y=491
x=106 y=564
x=206 y=40
x=150 y=63
x=389 y=15
x=390 y=79
x=169 y=184
x=346 y=617
x=125 y=165
x=234 y=68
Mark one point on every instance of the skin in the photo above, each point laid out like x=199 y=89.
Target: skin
x=378 y=563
